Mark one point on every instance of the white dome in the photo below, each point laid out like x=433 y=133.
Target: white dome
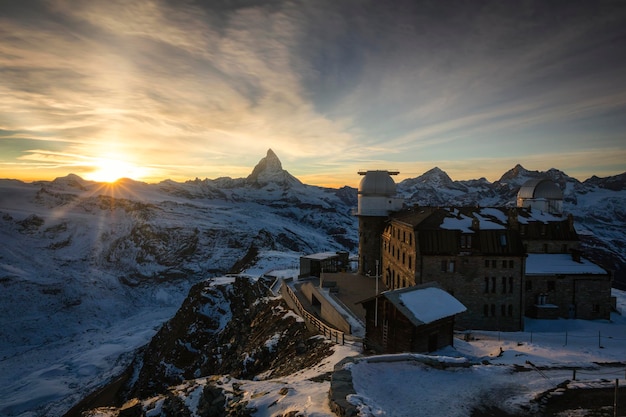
x=540 y=188
x=377 y=183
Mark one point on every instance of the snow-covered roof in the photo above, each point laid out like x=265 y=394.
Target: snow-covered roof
x=424 y=305
x=464 y=223
x=560 y=263
x=526 y=216
x=321 y=256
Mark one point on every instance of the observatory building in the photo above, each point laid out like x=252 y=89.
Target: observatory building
x=376 y=200
x=541 y=194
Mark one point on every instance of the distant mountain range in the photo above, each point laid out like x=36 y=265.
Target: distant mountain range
x=80 y=258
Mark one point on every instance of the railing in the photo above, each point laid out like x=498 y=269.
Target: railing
x=565 y=338
x=330 y=333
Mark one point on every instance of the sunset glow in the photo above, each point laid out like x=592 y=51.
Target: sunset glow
x=181 y=90
x=111 y=170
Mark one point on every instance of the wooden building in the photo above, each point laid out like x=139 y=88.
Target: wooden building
x=414 y=319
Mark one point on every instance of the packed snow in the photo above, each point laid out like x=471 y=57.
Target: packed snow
x=430 y=304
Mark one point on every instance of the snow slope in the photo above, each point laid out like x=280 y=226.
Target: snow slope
x=89 y=271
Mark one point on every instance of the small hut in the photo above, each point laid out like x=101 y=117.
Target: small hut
x=412 y=319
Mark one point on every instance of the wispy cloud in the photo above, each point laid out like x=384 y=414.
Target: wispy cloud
x=199 y=89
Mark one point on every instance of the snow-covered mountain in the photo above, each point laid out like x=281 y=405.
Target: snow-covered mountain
x=89 y=271
x=80 y=261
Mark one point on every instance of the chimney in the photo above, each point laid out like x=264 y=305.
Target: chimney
x=576 y=255
x=570 y=220
x=475 y=224
x=512 y=219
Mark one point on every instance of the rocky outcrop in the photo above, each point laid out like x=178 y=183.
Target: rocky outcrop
x=232 y=328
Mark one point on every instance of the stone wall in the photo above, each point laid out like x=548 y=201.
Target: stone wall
x=573 y=296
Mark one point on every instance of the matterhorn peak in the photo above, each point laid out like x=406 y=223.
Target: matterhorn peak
x=270 y=169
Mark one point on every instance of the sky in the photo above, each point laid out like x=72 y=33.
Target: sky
x=155 y=90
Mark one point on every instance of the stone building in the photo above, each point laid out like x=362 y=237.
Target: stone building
x=413 y=319
x=481 y=256
x=487 y=258
x=469 y=252
x=566 y=285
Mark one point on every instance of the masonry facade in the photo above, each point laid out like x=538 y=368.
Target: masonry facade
x=479 y=256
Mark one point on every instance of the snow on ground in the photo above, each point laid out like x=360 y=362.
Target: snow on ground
x=403 y=385
x=398 y=387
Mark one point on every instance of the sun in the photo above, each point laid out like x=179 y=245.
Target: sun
x=111 y=170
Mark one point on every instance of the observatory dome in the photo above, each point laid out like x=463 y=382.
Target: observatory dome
x=377 y=183
x=540 y=188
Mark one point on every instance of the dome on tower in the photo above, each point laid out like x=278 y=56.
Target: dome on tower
x=540 y=188
x=542 y=194
x=377 y=183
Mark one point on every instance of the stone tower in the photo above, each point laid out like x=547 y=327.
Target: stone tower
x=376 y=199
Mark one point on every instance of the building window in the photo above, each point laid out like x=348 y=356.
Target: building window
x=511 y=285
x=493 y=310
x=466 y=241
x=410 y=239
x=529 y=285
x=595 y=308
x=486 y=310
x=511 y=263
x=510 y=310
x=403 y=258
x=486 y=263
x=493 y=284
x=504 y=264
x=451 y=266
x=551 y=285
x=502 y=310
x=486 y=285
x=503 y=285
x=493 y=264
x=410 y=261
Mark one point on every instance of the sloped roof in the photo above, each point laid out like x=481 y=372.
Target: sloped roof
x=560 y=264
x=491 y=242
x=424 y=304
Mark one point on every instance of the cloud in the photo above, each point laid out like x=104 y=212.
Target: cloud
x=190 y=87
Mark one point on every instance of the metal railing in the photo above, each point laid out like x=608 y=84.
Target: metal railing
x=330 y=333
